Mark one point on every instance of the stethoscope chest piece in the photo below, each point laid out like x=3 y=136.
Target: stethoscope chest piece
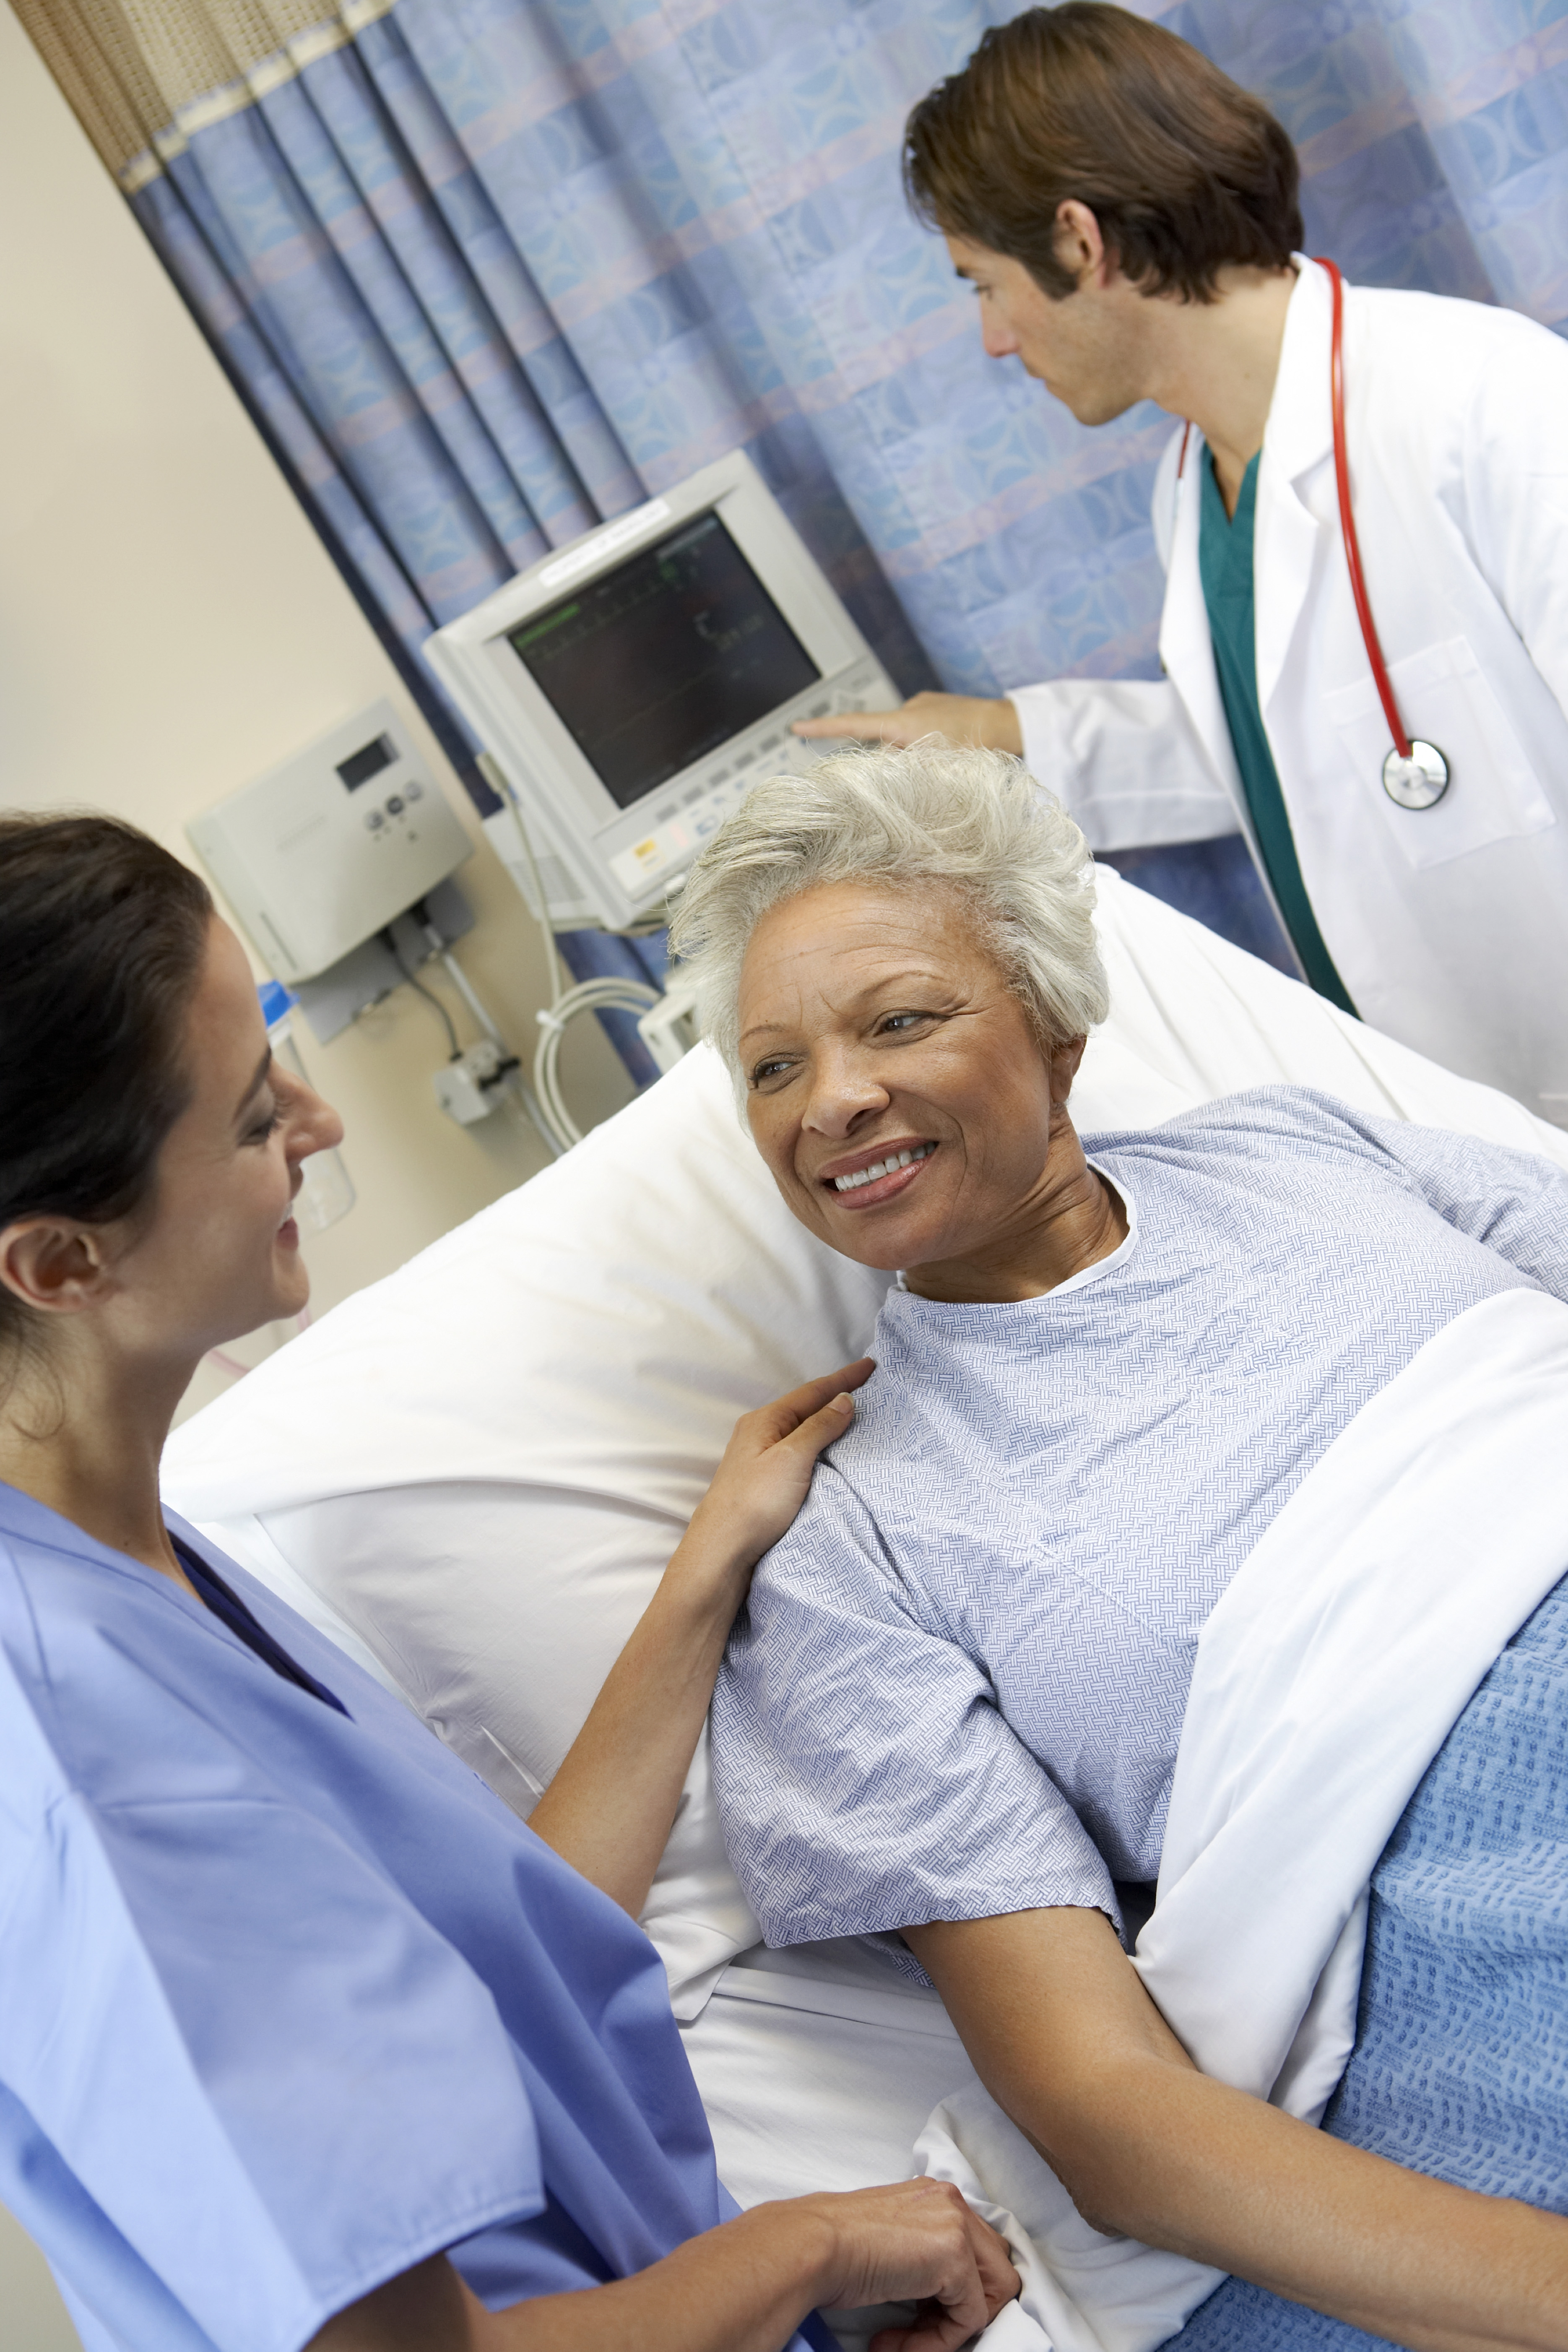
x=1419 y=781
x=1416 y=775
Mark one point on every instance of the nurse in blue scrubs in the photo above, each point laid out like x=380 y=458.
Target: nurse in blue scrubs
x=304 y=2038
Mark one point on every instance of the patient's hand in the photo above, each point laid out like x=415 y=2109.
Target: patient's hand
x=960 y=719
x=762 y=1480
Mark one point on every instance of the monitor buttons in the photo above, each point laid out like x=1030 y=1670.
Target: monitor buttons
x=373 y=820
x=395 y=805
x=635 y=867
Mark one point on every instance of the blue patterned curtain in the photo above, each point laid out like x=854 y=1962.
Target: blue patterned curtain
x=487 y=270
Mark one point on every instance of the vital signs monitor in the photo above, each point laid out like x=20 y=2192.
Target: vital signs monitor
x=632 y=685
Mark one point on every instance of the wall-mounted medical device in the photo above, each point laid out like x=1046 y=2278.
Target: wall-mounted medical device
x=632 y=687
x=321 y=852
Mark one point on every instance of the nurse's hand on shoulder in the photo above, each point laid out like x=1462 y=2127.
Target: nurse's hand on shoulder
x=963 y=719
x=609 y=1808
x=743 y=2287
x=762 y=1480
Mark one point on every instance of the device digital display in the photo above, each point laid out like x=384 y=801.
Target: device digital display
x=367 y=761
x=656 y=663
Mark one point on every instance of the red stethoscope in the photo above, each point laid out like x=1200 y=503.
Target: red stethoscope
x=1414 y=774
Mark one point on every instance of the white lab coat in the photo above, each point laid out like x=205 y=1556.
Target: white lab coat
x=1449 y=925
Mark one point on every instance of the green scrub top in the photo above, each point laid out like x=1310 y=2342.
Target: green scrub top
x=1224 y=565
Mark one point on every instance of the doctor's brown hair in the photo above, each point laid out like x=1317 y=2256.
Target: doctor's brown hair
x=102 y=939
x=1184 y=170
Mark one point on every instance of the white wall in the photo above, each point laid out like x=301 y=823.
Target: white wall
x=170 y=625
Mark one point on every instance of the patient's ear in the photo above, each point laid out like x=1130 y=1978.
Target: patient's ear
x=1064 y=1060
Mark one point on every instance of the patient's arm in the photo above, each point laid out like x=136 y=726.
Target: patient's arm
x=1062 y=2032
x=610 y=1807
x=743 y=2287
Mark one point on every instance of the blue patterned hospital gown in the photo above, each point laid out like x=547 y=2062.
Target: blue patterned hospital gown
x=960 y=1683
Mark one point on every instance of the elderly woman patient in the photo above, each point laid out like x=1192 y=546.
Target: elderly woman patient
x=952 y=1710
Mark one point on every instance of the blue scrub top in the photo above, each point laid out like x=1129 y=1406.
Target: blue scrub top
x=292 y=2000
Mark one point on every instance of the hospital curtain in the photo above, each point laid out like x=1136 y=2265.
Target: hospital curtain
x=485 y=272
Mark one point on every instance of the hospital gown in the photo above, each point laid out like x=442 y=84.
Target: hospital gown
x=959 y=1686
x=291 y=2000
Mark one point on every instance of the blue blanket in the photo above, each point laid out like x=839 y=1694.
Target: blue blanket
x=1460 y=2067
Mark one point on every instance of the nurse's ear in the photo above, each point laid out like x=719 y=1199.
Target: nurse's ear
x=55 y=1266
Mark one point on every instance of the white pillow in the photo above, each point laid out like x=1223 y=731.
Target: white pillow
x=473 y=1473
x=1208 y=1019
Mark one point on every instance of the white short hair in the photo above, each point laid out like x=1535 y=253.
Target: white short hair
x=974 y=822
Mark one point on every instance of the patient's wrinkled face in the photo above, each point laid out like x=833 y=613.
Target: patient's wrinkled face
x=895 y=1087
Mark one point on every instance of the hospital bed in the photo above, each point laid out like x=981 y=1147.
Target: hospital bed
x=471 y=1475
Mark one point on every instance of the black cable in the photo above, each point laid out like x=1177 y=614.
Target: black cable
x=419 y=988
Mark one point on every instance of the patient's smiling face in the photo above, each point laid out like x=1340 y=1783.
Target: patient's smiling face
x=877 y=1033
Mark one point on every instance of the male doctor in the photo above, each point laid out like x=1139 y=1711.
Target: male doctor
x=1128 y=218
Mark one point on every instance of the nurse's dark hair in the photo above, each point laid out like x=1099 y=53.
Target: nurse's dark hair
x=1184 y=170
x=102 y=935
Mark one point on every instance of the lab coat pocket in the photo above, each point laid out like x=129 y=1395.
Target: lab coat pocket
x=1444 y=698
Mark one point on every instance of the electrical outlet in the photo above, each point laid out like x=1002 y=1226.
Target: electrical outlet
x=470 y=1087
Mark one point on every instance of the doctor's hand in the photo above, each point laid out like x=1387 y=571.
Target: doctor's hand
x=963 y=719
x=762 y=1481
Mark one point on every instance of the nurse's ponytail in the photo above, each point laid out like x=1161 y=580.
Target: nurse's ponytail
x=102 y=938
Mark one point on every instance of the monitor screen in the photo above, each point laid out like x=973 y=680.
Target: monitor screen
x=659 y=661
